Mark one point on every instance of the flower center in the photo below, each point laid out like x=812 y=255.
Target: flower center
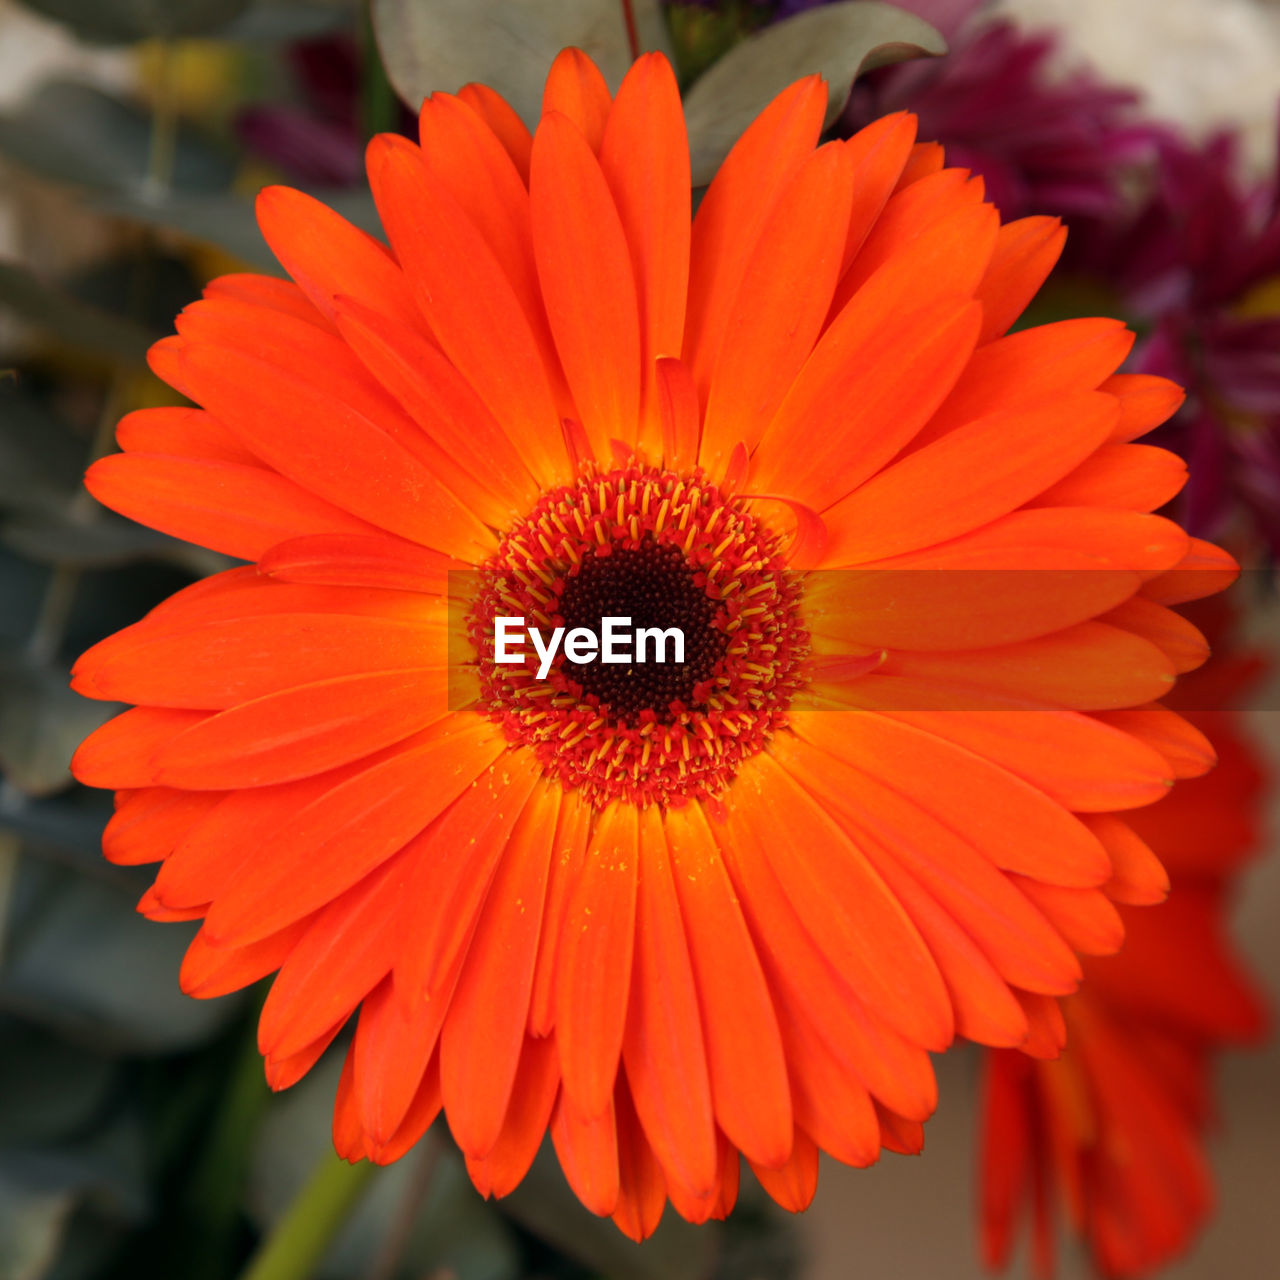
x=671 y=553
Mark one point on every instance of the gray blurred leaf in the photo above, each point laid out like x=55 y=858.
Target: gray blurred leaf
x=81 y=961
x=228 y=220
x=31 y=1224
x=48 y=1089
x=507 y=44
x=286 y=20
x=40 y=459
x=66 y=827
x=124 y=21
x=76 y=323
x=41 y=723
x=455 y=1231
x=545 y=1204
x=839 y=42
x=60 y=538
x=71 y=132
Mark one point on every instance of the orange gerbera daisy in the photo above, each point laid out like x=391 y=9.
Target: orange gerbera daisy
x=1115 y=1127
x=731 y=907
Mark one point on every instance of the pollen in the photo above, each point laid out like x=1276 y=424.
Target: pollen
x=665 y=549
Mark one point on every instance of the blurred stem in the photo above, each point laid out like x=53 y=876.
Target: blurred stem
x=633 y=35
x=298 y=1241
x=378 y=102
x=215 y=1190
x=387 y=1259
x=164 y=126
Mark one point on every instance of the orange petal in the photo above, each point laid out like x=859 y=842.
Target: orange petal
x=845 y=905
x=961 y=766
x=187 y=433
x=936 y=233
x=485 y=1030
x=1137 y=878
x=1087 y=667
x=329 y=257
x=1026 y=251
x=902 y=836
x=594 y=960
x=576 y=89
x=318 y=433
x=118 y=755
x=734 y=210
x=663 y=1047
x=359 y=824
x=810 y=986
x=304 y=731
x=1009 y=458
x=1080 y=761
x=874 y=378
x=221 y=664
x=1203 y=570
x=355 y=560
x=1145 y=402
x=588 y=1153
x=345 y=952
x=584 y=264
x=209 y=971
x=781 y=305
x=1170 y=632
x=532 y=1098
x=795 y=1183
x=644 y=156
x=1085 y=917
x=879 y=153
x=573 y=833
x=642 y=1191
x=442 y=403
x=1031 y=368
x=501 y=117
x=468 y=297
x=148 y=824
x=748 y=1072
x=1126 y=477
x=238 y=510
x=266 y=291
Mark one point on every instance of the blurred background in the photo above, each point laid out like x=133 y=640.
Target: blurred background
x=137 y=1137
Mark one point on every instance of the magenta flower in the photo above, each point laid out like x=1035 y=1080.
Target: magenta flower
x=1198 y=266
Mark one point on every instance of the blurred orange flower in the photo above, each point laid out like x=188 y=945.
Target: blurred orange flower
x=1115 y=1128
x=730 y=906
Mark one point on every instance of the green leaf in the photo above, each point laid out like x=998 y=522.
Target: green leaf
x=837 y=41
x=41 y=723
x=124 y=21
x=69 y=132
x=506 y=44
x=81 y=961
x=545 y=1204
x=85 y=327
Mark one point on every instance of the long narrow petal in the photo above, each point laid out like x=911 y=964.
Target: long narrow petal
x=584 y=264
x=594 y=961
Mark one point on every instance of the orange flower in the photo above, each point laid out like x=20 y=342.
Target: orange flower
x=1115 y=1127
x=730 y=907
